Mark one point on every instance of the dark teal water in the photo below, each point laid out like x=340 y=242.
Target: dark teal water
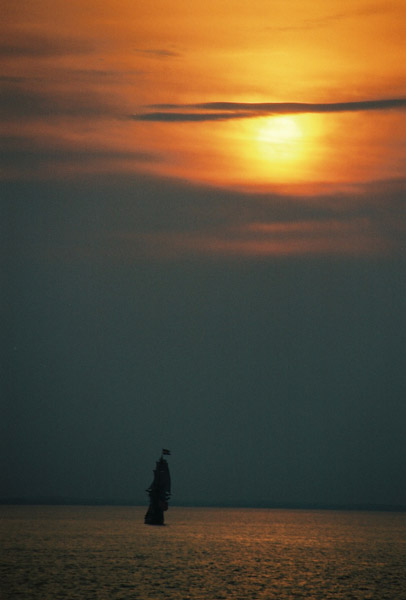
x=208 y=554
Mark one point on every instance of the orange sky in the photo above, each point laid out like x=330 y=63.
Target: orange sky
x=82 y=81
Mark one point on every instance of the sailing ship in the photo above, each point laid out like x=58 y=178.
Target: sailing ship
x=159 y=492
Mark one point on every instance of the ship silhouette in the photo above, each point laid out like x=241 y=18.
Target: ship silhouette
x=159 y=492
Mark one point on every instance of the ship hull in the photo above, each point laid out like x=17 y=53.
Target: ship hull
x=154 y=516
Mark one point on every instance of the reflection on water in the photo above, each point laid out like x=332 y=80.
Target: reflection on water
x=108 y=553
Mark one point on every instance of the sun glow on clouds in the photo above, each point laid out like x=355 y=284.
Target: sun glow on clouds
x=305 y=98
x=243 y=153
x=277 y=152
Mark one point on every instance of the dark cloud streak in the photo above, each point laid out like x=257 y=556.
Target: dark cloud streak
x=191 y=117
x=24 y=102
x=240 y=110
x=26 y=153
x=30 y=45
x=158 y=52
x=327 y=20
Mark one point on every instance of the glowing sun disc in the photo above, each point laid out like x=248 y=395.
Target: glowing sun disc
x=279 y=136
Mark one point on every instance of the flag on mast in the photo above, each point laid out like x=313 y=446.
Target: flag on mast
x=166 y=451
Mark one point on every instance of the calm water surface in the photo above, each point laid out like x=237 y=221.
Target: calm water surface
x=246 y=554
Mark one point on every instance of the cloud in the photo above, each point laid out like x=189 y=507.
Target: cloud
x=89 y=77
x=304 y=107
x=25 y=101
x=7 y=79
x=17 y=44
x=27 y=153
x=345 y=236
x=243 y=110
x=158 y=52
x=144 y=217
x=170 y=246
x=173 y=117
x=367 y=222
x=327 y=20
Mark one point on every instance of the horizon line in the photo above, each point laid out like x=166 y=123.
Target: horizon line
x=347 y=506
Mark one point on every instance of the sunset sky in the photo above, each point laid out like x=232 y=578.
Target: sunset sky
x=203 y=247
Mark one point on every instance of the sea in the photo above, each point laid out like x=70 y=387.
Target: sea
x=107 y=553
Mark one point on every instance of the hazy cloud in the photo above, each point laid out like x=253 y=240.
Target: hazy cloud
x=327 y=20
x=19 y=43
x=27 y=101
x=27 y=154
x=158 y=52
x=215 y=223
x=149 y=217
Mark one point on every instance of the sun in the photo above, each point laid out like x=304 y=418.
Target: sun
x=279 y=138
x=274 y=149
